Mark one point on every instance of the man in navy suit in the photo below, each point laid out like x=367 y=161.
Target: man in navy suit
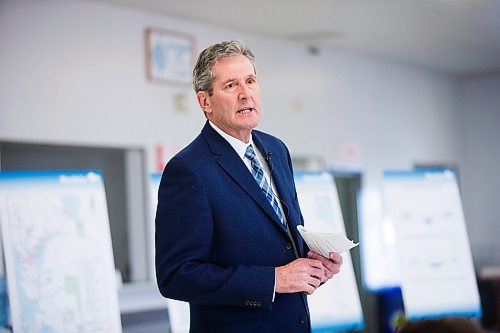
x=227 y=216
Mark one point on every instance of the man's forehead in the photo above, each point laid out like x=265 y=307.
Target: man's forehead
x=232 y=71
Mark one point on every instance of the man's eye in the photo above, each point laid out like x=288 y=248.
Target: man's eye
x=230 y=85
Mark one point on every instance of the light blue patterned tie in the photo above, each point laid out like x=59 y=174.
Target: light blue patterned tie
x=258 y=174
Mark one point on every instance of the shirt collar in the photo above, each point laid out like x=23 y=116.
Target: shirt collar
x=239 y=146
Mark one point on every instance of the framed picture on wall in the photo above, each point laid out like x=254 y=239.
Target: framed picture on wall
x=169 y=56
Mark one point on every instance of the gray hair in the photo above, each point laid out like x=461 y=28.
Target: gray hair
x=202 y=72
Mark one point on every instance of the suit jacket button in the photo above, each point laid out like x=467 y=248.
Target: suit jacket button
x=288 y=246
x=303 y=319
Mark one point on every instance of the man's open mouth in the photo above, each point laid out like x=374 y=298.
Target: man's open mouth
x=243 y=111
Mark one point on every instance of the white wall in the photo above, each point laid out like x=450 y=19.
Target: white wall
x=481 y=155
x=73 y=72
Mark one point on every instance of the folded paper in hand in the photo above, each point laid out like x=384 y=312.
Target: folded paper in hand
x=324 y=243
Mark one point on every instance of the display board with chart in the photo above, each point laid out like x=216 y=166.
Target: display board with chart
x=437 y=272
x=178 y=311
x=335 y=306
x=58 y=254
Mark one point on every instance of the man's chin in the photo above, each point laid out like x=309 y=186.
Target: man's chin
x=251 y=123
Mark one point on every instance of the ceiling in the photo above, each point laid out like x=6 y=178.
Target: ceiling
x=460 y=37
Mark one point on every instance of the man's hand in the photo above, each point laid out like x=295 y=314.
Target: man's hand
x=300 y=275
x=331 y=265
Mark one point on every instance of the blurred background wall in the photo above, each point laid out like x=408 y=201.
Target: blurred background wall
x=73 y=73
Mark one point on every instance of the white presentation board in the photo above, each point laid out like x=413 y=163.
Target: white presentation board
x=335 y=306
x=178 y=311
x=379 y=259
x=58 y=253
x=437 y=272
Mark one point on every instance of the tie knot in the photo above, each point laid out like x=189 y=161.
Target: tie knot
x=250 y=153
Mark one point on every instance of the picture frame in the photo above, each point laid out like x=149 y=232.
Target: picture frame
x=169 y=56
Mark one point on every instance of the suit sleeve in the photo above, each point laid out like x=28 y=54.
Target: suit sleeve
x=183 y=237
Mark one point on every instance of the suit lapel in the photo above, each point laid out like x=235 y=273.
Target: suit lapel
x=232 y=164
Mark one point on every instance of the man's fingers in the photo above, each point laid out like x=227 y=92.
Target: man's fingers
x=331 y=264
x=300 y=275
x=307 y=274
x=318 y=275
x=309 y=290
x=314 y=255
x=312 y=284
x=336 y=258
x=331 y=269
x=316 y=262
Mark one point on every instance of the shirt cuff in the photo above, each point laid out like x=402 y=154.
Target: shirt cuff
x=274 y=290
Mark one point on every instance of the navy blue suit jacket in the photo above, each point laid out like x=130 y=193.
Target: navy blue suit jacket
x=218 y=240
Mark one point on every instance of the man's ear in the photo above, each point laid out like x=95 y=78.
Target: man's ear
x=203 y=100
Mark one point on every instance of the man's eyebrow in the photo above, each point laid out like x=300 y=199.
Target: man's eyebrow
x=228 y=80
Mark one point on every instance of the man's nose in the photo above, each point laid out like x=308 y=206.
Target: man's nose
x=244 y=91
